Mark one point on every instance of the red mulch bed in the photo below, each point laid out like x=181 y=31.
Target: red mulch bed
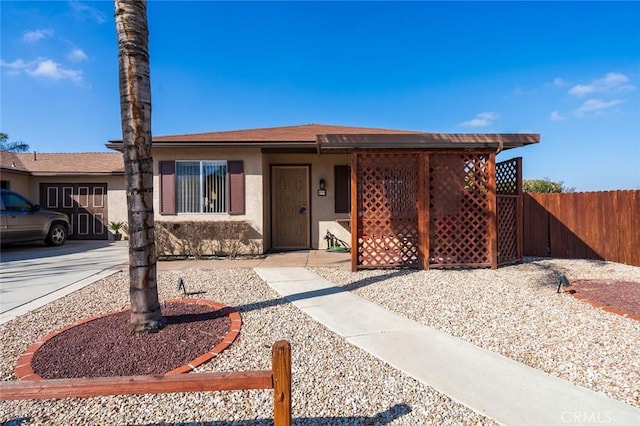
x=623 y=296
x=103 y=347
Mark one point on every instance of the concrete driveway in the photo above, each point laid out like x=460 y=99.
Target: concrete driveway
x=32 y=275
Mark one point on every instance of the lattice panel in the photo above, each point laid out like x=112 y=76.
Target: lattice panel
x=509 y=190
x=507 y=230
x=387 y=210
x=507 y=178
x=459 y=210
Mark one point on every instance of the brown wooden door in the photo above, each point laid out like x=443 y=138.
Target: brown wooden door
x=290 y=214
x=84 y=203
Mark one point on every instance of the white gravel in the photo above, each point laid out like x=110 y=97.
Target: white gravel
x=517 y=312
x=513 y=310
x=333 y=382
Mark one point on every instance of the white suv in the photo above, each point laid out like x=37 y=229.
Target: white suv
x=22 y=221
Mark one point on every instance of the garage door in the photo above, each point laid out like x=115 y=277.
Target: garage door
x=85 y=203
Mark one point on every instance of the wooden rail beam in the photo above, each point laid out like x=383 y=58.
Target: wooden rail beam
x=133 y=385
x=278 y=379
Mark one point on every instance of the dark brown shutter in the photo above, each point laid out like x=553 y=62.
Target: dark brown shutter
x=167 y=187
x=342 y=178
x=236 y=187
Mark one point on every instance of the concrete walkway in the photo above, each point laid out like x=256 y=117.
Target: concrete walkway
x=491 y=384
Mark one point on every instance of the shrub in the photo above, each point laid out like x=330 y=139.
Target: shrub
x=202 y=239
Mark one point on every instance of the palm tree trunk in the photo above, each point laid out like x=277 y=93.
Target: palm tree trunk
x=135 y=106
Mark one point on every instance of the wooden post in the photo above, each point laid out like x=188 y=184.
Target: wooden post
x=281 y=367
x=423 y=210
x=278 y=379
x=493 y=215
x=519 y=211
x=354 y=212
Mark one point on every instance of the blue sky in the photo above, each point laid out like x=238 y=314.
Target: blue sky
x=569 y=71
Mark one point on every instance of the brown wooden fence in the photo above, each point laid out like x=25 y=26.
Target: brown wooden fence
x=278 y=379
x=584 y=225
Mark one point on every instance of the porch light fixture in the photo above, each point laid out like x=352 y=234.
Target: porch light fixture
x=322 y=191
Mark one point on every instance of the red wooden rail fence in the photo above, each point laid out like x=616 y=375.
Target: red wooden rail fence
x=584 y=225
x=278 y=379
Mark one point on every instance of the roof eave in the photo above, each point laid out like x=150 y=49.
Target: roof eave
x=77 y=173
x=498 y=142
x=14 y=170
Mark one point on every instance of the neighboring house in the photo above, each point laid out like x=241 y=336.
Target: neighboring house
x=89 y=187
x=417 y=199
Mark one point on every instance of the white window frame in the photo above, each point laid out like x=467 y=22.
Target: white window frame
x=201 y=183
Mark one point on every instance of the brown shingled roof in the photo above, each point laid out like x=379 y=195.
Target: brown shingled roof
x=322 y=137
x=86 y=163
x=11 y=161
x=303 y=133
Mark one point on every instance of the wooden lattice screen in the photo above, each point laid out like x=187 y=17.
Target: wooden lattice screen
x=430 y=210
x=460 y=197
x=509 y=211
x=387 y=211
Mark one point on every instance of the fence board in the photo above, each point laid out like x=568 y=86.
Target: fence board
x=586 y=225
x=536 y=229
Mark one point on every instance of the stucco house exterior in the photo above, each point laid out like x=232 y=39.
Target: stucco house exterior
x=400 y=198
x=89 y=187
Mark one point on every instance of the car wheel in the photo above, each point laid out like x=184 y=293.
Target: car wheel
x=57 y=235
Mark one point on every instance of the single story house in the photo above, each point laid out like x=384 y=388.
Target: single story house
x=89 y=187
x=399 y=198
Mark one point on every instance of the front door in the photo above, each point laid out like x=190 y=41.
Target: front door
x=290 y=216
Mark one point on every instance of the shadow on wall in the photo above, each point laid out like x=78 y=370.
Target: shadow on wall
x=548 y=234
x=204 y=239
x=584 y=225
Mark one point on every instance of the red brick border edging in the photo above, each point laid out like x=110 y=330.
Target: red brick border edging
x=24 y=371
x=575 y=293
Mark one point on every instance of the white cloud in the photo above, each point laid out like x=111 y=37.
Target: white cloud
x=83 y=11
x=556 y=116
x=42 y=68
x=557 y=82
x=15 y=67
x=18 y=64
x=482 y=119
x=596 y=106
x=37 y=35
x=610 y=83
x=77 y=55
x=49 y=69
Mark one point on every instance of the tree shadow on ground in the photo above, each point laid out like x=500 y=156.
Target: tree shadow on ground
x=323 y=292
x=382 y=418
x=556 y=273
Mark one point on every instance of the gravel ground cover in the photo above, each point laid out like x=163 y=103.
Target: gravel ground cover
x=334 y=383
x=517 y=312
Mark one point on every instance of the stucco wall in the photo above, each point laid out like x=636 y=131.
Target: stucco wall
x=19 y=182
x=323 y=216
x=252 y=160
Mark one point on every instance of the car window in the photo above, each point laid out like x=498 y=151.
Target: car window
x=14 y=202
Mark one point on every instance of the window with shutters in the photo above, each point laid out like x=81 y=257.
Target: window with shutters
x=193 y=186
x=201 y=187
